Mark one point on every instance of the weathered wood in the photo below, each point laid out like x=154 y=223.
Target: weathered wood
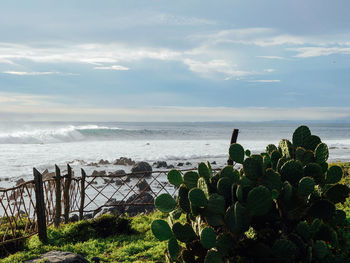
x=40 y=205
x=82 y=195
x=58 y=197
x=66 y=194
x=233 y=140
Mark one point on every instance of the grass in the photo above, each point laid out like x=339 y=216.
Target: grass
x=136 y=245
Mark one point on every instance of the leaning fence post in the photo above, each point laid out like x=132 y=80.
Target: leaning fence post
x=58 y=197
x=40 y=205
x=82 y=195
x=66 y=194
x=233 y=140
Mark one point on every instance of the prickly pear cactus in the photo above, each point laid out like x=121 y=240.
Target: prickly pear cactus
x=277 y=206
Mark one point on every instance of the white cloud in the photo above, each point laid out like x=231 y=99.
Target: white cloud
x=271 y=57
x=35 y=73
x=265 y=80
x=269 y=70
x=307 y=52
x=113 y=67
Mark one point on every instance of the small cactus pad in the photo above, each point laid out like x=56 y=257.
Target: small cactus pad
x=173 y=248
x=292 y=171
x=338 y=193
x=224 y=187
x=272 y=180
x=322 y=209
x=287 y=149
x=252 y=168
x=165 y=203
x=175 y=177
x=270 y=148
x=311 y=142
x=283 y=248
x=224 y=243
x=230 y=173
x=321 y=153
x=236 y=153
x=300 y=135
x=259 y=201
x=314 y=171
x=208 y=238
x=161 y=230
x=320 y=249
x=202 y=184
x=183 y=200
x=190 y=179
x=197 y=198
x=203 y=171
x=216 y=204
x=184 y=233
x=247 y=153
x=287 y=191
x=213 y=256
x=306 y=186
x=334 y=174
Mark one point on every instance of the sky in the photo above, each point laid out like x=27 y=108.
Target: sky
x=234 y=60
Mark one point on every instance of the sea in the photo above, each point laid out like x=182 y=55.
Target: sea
x=24 y=145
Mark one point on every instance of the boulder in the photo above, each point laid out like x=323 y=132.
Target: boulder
x=19 y=181
x=143 y=186
x=188 y=163
x=180 y=164
x=213 y=162
x=170 y=166
x=74 y=218
x=142 y=169
x=144 y=198
x=103 y=162
x=160 y=164
x=99 y=173
x=60 y=257
x=118 y=173
x=124 y=161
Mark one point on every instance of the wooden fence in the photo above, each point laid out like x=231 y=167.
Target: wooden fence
x=30 y=207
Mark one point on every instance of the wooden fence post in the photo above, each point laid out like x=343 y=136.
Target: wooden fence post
x=40 y=205
x=66 y=194
x=233 y=140
x=58 y=197
x=82 y=195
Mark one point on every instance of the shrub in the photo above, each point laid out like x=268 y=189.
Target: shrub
x=278 y=207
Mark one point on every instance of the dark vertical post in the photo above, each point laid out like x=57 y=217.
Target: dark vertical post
x=40 y=205
x=66 y=194
x=233 y=140
x=58 y=197
x=82 y=195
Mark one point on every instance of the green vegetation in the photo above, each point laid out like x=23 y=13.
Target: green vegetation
x=283 y=205
x=111 y=238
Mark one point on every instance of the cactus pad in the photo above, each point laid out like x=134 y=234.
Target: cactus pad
x=236 y=152
x=213 y=257
x=230 y=173
x=322 y=209
x=184 y=233
x=338 y=193
x=283 y=248
x=173 y=248
x=292 y=171
x=165 y=203
x=208 y=238
x=314 y=171
x=287 y=149
x=190 y=179
x=224 y=187
x=203 y=171
x=270 y=148
x=247 y=153
x=161 y=230
x=300 y=135
x=311 y=142
x=334 y=174
x=252 y=168
x=321 y=153
x=197 y=198
x=306 y=186
x=224 y=243
x=183 y=200
x=259 y=201
x=202 y=184
x=320 y=249
x=272 y=180
x=175 y=177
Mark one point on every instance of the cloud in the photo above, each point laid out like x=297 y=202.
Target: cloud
x=113 y=67
x=265 y=80
x=271 y=57
x=269 y=70
x=24 y=73
x=307 y=52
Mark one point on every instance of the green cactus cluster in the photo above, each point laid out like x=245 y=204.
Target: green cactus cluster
x=285 y=196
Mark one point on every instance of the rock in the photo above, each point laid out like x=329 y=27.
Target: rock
x=74 y=218
x=93 y=164
x=118 y=173
x=96 y=259
x=180 y=164
x=108 y=181
x=143 y=186
x=188 y=163
x=170 y=166
x=99 y=173
x=124 y=161
x=88 y=216
x=60 y=257
x=160 y=164
x=20 y=181
x=213 y=162
x=144 y=198
x=103 y=162
x=141 y=169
